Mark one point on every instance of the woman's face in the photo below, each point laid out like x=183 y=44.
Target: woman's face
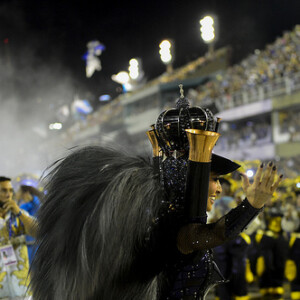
x=214 y=189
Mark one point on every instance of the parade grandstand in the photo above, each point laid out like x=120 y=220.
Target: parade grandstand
x=257 y=99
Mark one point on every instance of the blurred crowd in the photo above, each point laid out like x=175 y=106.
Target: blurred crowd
x=277 y=60
x=265 y=255
x=237 y=135
x=290 y=123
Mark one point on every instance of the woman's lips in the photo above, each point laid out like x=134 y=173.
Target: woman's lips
x=212 y=199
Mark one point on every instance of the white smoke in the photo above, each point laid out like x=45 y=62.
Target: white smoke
x=31 y=92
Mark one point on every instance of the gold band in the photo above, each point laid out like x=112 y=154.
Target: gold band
x=295 y=295
x=153 y=140
x=201 y=144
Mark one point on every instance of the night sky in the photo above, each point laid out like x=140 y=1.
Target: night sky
x=41 y=67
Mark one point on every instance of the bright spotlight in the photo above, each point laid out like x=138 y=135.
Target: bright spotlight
x=133 y=69
x=165 y=51
x=207 y=21
x=134 y=62
x=250 y=173
x=298 y=185
x=122 y=77
x=55 y=126
x=207 y=29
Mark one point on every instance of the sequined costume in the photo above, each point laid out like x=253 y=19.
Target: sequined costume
x=119 y=226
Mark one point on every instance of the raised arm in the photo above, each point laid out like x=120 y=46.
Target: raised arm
x=30 y=223
x=195 y=236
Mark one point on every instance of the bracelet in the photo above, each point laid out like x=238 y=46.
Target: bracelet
x=19 y=214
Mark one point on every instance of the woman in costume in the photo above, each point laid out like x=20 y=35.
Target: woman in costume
x=117 y=226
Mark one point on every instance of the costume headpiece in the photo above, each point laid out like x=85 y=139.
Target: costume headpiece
x=183 y=139
x=173 y=126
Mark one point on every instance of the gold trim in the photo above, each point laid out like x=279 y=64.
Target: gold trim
x=246 y=237
x=153 y=140
x=241 y=297
x=277 y=290
x=201 y=144
x=264 y=291
x=290 y=270
x=217 y=124
x=260 y=266
x=295 y=295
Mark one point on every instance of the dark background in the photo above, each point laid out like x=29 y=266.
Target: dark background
x=53 y=34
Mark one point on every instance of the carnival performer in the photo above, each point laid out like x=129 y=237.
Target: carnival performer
x=119 y=226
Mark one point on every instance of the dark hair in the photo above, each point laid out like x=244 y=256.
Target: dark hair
x=3 y=178
x=32 y=190
x=98 y=210
x=225 y=181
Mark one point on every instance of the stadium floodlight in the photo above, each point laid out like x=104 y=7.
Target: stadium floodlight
x=55 y=126
x=134 y=69
x=130 y=80
x=165 y=52
x=250 y=173
x=122 y=77
x=207 y=29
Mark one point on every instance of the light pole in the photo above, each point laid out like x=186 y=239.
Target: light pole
x=208 y=29
x=132 y=78
x=166 y=54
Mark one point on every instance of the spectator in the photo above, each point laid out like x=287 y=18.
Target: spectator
x=231 y=257
x=280 y=59
x=29 y=197
x=14 y=223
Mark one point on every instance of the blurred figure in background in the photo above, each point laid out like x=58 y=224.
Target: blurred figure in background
x=29 y=199
x=291 y=224
x=231 y=257
x=14 y=224
x=272 y=247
